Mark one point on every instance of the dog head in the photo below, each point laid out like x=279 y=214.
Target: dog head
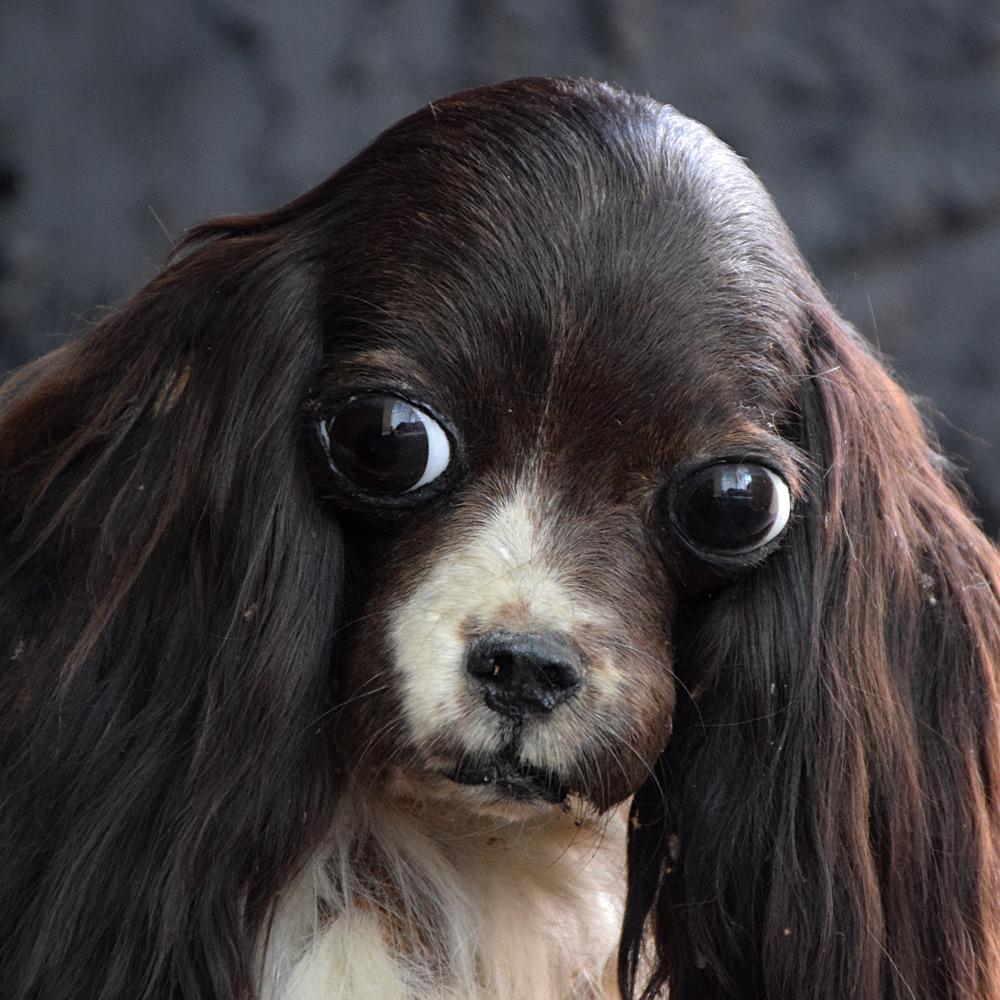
x=521 y=459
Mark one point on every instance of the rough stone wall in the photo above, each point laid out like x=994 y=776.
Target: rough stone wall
x=876 y=127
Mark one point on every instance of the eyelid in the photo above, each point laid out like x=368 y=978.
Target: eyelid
x=334 y=396
x=364 y=376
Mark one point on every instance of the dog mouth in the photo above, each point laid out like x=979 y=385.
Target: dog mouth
x=512 y=778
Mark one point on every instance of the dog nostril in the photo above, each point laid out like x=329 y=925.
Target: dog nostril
x=524 y=673
x=500 y=664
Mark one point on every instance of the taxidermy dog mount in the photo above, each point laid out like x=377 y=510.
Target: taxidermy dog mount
x=498 y=574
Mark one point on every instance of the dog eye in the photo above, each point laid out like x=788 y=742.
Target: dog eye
x=384 y=445
x=730 y=508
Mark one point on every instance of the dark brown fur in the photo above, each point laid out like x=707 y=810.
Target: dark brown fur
x=574 y=273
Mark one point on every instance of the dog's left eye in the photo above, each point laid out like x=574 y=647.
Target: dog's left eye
x=384 y=445
x=731 y=508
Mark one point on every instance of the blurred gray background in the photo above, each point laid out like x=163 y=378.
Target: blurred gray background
x=875 y=125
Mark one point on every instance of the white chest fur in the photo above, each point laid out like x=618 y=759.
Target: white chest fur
x=408 y=902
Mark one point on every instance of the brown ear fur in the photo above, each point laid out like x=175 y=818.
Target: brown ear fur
x=835 y=779
x=167 y=592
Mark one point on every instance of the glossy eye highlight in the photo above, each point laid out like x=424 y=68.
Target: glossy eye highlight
x=384 y=445
x=731 y=508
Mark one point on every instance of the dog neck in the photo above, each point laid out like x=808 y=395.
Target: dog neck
x=430 y=899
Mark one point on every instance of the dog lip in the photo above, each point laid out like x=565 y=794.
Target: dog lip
x=518 y=781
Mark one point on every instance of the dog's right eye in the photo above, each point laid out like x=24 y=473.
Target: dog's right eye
x=729 y=509
x=384 y=445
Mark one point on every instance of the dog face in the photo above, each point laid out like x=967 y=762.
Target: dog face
x=550 y=416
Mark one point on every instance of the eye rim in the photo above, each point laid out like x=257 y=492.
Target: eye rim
x=320 y=413
x=733 y=558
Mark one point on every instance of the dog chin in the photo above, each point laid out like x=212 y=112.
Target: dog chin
x=494 y=784
x=503 y=776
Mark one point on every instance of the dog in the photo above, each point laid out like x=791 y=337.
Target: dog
x=498 y=573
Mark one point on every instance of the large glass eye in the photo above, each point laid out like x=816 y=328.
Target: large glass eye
x=731 y=508
x=384 y=445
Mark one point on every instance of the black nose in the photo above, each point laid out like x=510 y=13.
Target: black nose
x=524 y=673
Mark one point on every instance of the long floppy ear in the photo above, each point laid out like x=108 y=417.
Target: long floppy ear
x=167 y=596
x=832 y=821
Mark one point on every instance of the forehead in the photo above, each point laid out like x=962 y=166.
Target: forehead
x=579 y=261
